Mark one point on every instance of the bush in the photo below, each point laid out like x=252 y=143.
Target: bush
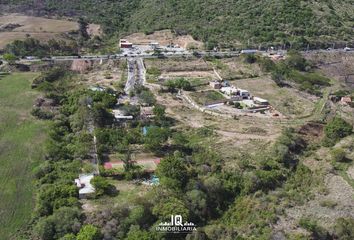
x=10 y=58
x=296 y=61
x=180 y=83
x=338 y=155
x=89 y=232
x=337 y=129
x=344 y=228
x=39 y=113
x=102 y=186
x=312 y=226
x=153 y=71
x=250 y=58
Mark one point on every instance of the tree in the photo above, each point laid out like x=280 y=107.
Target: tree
x=69 y=236
x=172 y=170
x=137 y=234
x=159 y=112
x=101 y=115
x=171 y=206
x=128 y=163
x=10 y=58
x=197 y=204
x=147 y=97
x=89 y=232
x=66 y=220
x=296 y=61
x=101 y=185
x=250 y=58
x=83 y=29
x=45 y=229
x=155 y=138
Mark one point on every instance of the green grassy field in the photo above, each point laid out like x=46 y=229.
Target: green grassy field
x=21 y=149
x=207 y=97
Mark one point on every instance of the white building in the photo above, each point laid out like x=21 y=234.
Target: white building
x=229 y=90
x=84 y=183
x=260 y=101
x=243 y=93
x=119 y=115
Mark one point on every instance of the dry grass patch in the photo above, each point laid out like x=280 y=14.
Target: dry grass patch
x=39 y=28
x=164 y=37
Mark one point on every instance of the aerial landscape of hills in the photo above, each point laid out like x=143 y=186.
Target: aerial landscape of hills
x=176 y=119
x=225 y=22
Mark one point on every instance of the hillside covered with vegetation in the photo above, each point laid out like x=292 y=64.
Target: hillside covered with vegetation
x=227 y=23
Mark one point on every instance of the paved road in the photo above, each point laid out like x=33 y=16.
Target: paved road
x=129 y=86
x=141 y=79
x=168 y=55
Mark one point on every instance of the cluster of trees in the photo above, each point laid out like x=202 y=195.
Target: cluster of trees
x=33 y=47
x=57 y=212
x=295 y=69
x=146 y=97
x=180 y=83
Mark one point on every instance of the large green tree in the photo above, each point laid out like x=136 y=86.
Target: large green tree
x=89 y=232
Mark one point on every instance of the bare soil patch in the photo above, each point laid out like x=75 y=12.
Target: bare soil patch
x=164 y=37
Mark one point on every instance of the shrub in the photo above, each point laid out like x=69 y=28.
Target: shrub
x=102 y=186
x=344 y=228
x=337 y=129
x=89 y=232
x=312 y=226
x=39 y=113
x=338 y=155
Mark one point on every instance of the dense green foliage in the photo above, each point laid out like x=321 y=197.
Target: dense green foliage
x=336 y=129
x=295 y=70
x=33 y=47
x=89 y=232
x=293 y=23
x=179 y=83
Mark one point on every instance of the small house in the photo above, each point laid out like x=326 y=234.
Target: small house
x=249 y=51
x=123 y=43
x=243 y=93
x=119 y=115
x=215 y=84
x=229 y=90
x=155 y=45
x=260 y=101
x=86 y=189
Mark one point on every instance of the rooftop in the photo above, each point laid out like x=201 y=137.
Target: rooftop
x=84 y=182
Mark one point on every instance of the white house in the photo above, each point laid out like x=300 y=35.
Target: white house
x=260 y=101
x=229 y=90
x=84 y=183
x=243 y=93
x=119 y=115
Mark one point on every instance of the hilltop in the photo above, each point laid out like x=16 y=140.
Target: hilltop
x=231 y=23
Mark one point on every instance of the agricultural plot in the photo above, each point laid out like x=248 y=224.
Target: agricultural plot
x=196 y=71
x=207 y=97
x=19 y=27
x=21 y=149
